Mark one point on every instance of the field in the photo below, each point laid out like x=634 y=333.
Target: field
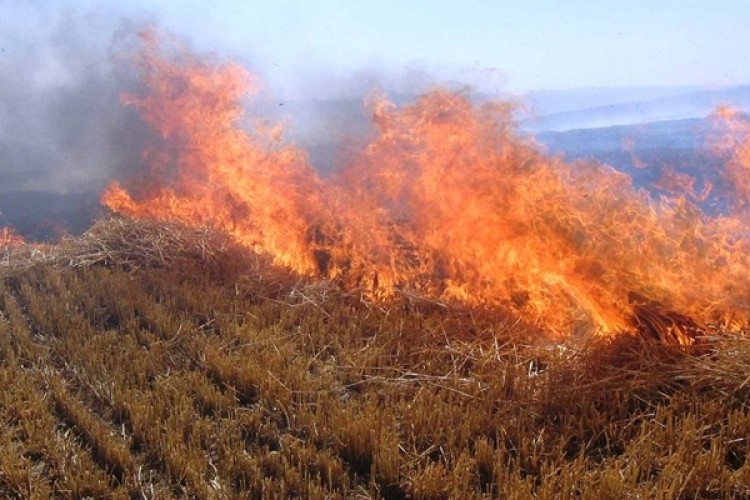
x=153 y=361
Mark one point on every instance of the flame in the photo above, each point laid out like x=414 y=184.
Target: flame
x=628 y=146
x=679 y=183
x=9 y=238
x=208 y=170
x=447 y=200
x=733 y=145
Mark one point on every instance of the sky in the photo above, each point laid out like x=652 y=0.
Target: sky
x=64 y=65
x=515 y=45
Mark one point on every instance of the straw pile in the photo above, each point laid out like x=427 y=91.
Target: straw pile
x=125 y=243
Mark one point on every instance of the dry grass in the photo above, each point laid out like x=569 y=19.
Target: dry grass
x=149 y=360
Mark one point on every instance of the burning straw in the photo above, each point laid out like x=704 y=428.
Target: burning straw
x=447 y=201
x=144 y=244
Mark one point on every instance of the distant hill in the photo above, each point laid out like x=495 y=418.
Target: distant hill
x=677 y=106
x=691 y=133
x=645 y=151
x=546 y=102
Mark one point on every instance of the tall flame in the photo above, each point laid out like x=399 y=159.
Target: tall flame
x=208 y=170
x=446 y=199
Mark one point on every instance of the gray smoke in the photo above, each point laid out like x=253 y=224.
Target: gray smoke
x=64 y=134
x=62 y=127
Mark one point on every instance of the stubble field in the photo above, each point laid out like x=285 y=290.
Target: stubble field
x=153 y=361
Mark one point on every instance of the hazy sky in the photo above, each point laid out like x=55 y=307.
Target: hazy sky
x=512 y=45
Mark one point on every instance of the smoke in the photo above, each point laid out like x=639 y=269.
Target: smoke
x=65 y=134
x=62 y=128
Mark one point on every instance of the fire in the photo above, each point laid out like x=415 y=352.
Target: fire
x=734 y=146
x=9 y=238
x=447 y=200
x=208 y=170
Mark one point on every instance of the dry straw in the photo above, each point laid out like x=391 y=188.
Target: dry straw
x=224 y=375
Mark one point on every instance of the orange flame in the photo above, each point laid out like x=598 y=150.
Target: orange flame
x=9 y=238
x=208 y=170
x=446 y=200
x=734 y=146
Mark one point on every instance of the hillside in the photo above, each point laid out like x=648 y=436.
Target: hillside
x=645 y=151
x=621 y=109
x=148 y=360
